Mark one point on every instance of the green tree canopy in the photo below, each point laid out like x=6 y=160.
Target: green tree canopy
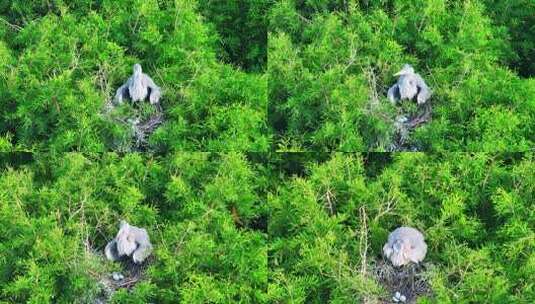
x=204 y=212
x=62 y=62
x=331 y=63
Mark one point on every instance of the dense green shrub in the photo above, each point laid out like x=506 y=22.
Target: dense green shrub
x=60 y=63
x=242 y=25
x=241 y=78
x=203 y=212
x=258 y=228
x=519 y=18
x=328 y=225
x=331 y=62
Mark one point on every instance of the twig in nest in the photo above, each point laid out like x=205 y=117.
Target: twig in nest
x=409 y=280
x=129 y=283
x=141 y=130
x=420 y=119
x=404 y=127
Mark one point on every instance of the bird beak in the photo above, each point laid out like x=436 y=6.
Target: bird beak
x=399 y=73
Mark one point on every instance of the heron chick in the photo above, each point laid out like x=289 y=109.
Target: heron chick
x=408 y=86
x=405 y=245
x=138 y=87
x=130 y=241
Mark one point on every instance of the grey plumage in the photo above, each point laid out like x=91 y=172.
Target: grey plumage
x=408 y=86
x=130 y=241
x=405 y=245
x=138 y=87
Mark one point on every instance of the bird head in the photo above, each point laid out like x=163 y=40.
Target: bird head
x=406 y=70
x=137 y=69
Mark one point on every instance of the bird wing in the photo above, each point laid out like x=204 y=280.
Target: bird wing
x=154 y=90
x=418 y=253
x=387 y=250
x=424 y=93
x=111 y=251
x=393 y=94
x=121 y=93
x=144 y=248
x=141 y=253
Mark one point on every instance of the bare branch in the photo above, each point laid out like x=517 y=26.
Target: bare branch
x=11 y=25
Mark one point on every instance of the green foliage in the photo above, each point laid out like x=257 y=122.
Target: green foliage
x=246 y=77
x=61 y=63
x=242 y=26
x=518 y=16
x=331 y=63
x=259 y=228
x=201 y=210
x=327 y=226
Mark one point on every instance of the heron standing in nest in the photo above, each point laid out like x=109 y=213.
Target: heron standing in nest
x=408 y=86
x=138 y=87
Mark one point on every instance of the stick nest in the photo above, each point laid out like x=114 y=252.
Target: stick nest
x=405 y=124
x=138 y=120
x=409 y=280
